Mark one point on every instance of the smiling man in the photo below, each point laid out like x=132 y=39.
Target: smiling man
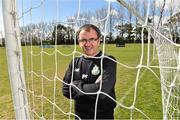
x=89 y=40
x=88 y=77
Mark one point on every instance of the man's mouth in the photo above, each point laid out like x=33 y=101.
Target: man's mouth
x=88 y=48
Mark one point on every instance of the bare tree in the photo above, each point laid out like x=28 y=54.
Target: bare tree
x=144 y=7
x=153 y=11
x=120 y=16
x=136 y=20
x=161 y=8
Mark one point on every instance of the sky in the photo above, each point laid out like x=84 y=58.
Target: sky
x=53 y=10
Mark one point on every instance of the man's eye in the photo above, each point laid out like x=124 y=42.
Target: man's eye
x=88 y=40
x=91 y=39
x=83 y=40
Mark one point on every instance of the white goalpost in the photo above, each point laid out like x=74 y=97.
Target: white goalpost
x=15 y=63
x=36 y=72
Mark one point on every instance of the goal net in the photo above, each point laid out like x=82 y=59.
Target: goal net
x=148 y=76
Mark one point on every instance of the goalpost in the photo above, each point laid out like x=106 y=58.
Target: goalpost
x=15 y=62
x=42 y=69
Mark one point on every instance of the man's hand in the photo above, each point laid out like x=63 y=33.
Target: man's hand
x=98 y=79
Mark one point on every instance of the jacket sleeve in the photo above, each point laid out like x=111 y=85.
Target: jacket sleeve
x=108 y=80
x=108 y=77
x=78 y=85
x=66 y=83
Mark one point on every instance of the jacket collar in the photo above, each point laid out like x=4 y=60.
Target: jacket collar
x=98 y=55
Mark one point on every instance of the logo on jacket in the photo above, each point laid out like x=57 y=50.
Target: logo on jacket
x=84 y=76
x=76 y=69
x=95 y=70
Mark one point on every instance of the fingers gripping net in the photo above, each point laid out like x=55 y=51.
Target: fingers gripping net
x=45 y=68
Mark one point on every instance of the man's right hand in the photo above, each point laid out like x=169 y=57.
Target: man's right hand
x=98 y=79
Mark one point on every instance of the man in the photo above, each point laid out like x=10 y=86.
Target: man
x=87 y=77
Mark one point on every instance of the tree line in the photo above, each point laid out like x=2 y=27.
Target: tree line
x=121 y=26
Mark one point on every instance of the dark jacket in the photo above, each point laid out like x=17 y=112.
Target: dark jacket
x=85 y=73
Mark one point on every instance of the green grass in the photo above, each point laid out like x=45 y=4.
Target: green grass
x=148 y=97
x=6 y=104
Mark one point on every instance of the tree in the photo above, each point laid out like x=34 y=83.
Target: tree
x=120 y=17
x=70 y=35
x=59 y=34
x=136 y=20
x=144 y=7
x=63 y=34
x=153 y=10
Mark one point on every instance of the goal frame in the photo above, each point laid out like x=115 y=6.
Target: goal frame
x=14 y=59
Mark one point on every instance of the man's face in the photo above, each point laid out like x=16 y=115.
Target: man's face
x=89 y=42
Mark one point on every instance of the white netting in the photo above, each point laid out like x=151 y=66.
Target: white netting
x=138 y=87
x=168 y=55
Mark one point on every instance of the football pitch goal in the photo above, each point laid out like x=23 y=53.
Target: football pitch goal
x=40 y=42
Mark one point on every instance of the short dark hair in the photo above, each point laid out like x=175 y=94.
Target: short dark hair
x=88 y=27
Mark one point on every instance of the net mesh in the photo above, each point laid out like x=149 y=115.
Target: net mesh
x=146 y=88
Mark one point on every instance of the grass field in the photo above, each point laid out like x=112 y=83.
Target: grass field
x=148 y=92
x=6 y=105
